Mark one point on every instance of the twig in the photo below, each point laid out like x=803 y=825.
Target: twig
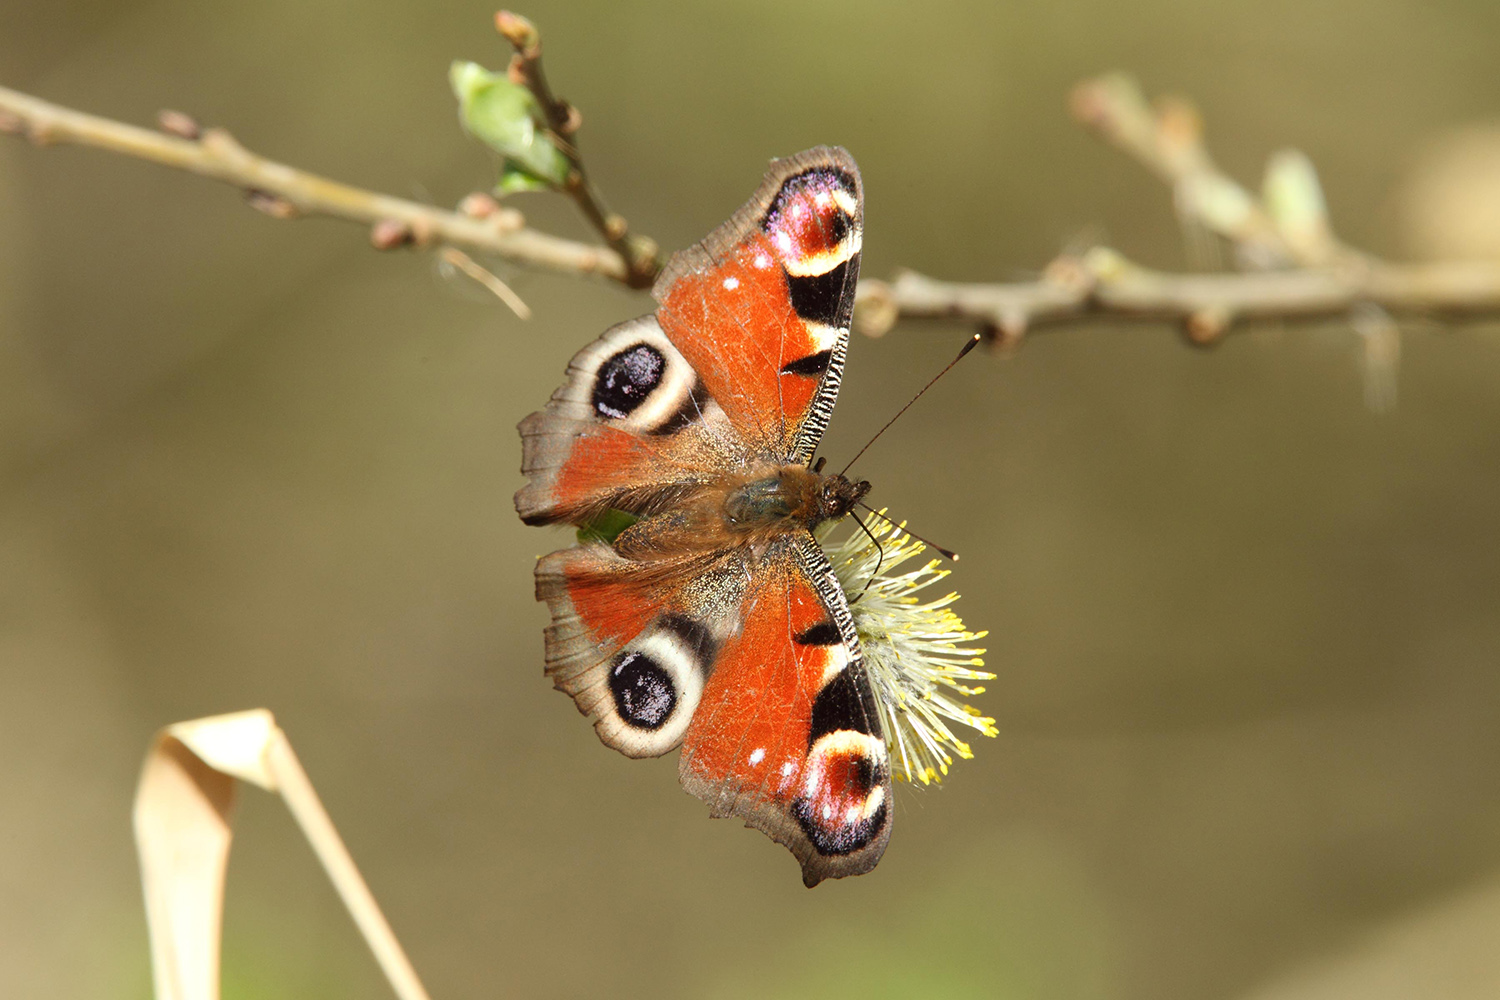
x=483 y=276
x=641 y=254
x=286 y=192
x=1102 y=285
x=1098 y=284
x=1296 y=269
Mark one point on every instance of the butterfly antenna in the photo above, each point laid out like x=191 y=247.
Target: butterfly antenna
x=973 y=342
x=879 y=560
x=949 y=553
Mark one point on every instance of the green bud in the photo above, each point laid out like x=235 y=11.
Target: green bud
x=506 y=117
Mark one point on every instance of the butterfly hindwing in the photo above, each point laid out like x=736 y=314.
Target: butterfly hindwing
x=761 y=307
x=631 y=418
x=787 y=734
x=634 y=642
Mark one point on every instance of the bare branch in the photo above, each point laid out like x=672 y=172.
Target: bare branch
x=1302 y=272
x=1168 y=140
x=1102 y=285
x=1295 y=268
x=286 y=192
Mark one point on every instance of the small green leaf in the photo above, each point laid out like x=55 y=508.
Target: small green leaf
x=606 y=527
x=514 y=178
x=506 y=117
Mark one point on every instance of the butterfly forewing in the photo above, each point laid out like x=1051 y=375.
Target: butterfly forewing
x=632 y=419
x=761 y=308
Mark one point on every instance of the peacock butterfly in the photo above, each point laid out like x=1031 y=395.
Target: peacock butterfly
x=698 y=609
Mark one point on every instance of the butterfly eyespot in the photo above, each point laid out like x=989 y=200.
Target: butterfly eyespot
x=813 y=223
x=643 y=691
x=654 y=685
x=843 y=804
x=626 y=379
x=810 y=212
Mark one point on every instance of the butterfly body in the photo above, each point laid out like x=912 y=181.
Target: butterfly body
x=709 y=616
x=750 y=509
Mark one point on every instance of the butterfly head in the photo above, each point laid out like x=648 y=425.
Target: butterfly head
x=837 y=497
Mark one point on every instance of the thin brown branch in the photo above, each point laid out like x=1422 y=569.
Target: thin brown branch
x=1102 y=285
x=1295 y=268
x=1096 y=285
x=641 y=255
x=286 y=192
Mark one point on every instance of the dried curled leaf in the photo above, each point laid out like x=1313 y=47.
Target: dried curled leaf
x=184 y=809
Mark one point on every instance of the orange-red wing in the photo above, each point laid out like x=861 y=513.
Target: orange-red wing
x=787 y=734
x=741 y=362
x=632 y=642
x=630 y=421
x=761 y=308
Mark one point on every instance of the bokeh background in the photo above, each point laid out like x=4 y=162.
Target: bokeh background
x=1246 y=630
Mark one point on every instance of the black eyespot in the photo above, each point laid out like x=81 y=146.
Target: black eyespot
x=643 y=691
x=626 y=379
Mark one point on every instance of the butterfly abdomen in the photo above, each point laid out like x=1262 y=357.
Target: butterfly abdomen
x=741 y=509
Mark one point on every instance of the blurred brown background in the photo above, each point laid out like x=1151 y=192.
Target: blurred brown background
x=1246 y=630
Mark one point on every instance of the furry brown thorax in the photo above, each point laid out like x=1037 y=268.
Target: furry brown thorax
x=794 y=494
x=749 y=508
